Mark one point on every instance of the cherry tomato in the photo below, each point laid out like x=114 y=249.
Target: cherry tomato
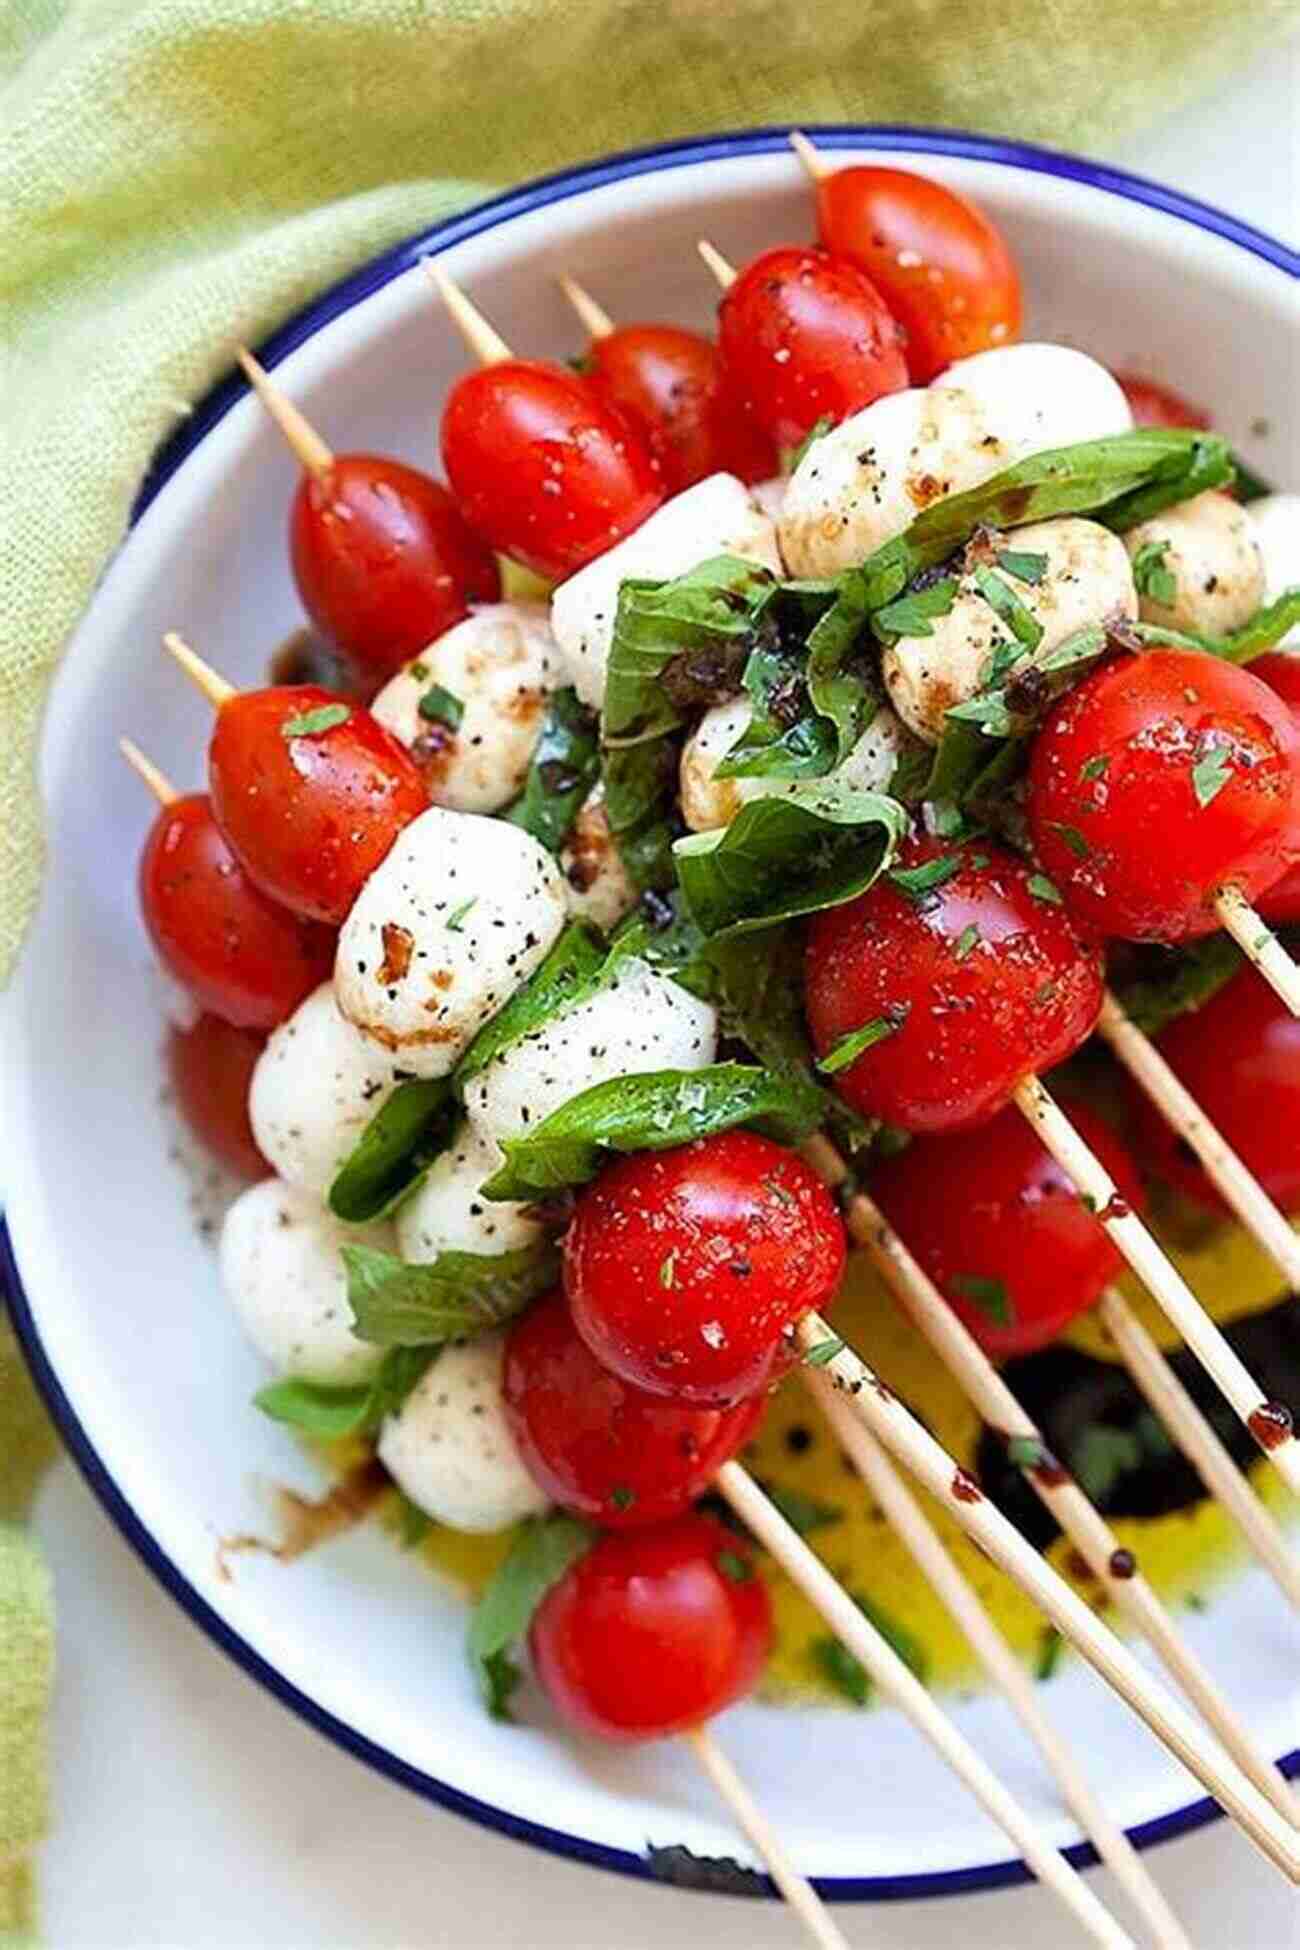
x=805 y=337
x=1239 y=1055
x=969 y=985
x=684 y=1268
x=239 y=954
x=211 y=1067
x=1000 y=1229
x=942 y=267
x=384 y=560
x=599 y=1446
x=1153 y=405
x=1155 y=782
x=310 y=816
x=653 y=1631
x=671 y=386
x=544 y=468
x=1280 y=670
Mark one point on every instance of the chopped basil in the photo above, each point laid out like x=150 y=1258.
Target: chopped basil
x=668 y=1270
x=917 y=882
x=1211 y=773
x=823 y=1352
x=1021 y=563
x=393 y=1153
x=1050 y=1647
x=736 y=1568
x=564 y=769
x=785 y=737
x=622 y=1497
x=967 y=941
x=329 y=1413
x=1152 y=575
x=1044 y=889
x=305 y=724
x=841 y=684
x=1073 y=838
x=398 y=1304
x=653 y=1111
x=990 y=1296
x=459 y=912
x=1265 y=631
x=987 y=711
x=543 y=1550
x=567 y=975
x=849 y=1048
x=441 y=706
x=1094 y=768
x=1007 y=606
x=1171 y=981
x=847 y=1675
x=708 y=615
x=914 y=615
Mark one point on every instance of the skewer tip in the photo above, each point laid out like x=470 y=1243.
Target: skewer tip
x=593 y=317
x=144 y=768
x=482 y=338
x=313 y=455
x=725 y=273
x=812 y=159
x=213 y=686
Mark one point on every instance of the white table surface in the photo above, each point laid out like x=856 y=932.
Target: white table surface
x=196 y=1813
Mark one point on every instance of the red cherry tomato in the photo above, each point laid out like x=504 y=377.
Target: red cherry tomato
x=1153 y=405
x=670 y=384
x=599 y=1446
x=239 y=954
x=1000 y=1229
x=653 y=1631
x=211 y=1067
x=1239 y=1056
x=1155 y=782
x=805 y=337
x=684 y=1268
x=1280 y=670
x=544 y=468
x=942 y=267
x=975 y=985
x=383 y=559
x=309 y=816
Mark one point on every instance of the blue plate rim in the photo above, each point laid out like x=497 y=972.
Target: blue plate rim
x=337 y=298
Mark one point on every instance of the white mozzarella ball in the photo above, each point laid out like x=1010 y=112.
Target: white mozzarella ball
x=769 y=496
x=315 y=1087
x=709 y=802
x=499 y=663
x=715 y=517
x=1210 y=551
x=1087 y=578
x=460 y=912
x=449 y=1213
x=639 y=1021
x=1275 y=522
x=1033 y=397
x=449 y=1447
x=599 y=888
x=283 y=1273
x=858 y=485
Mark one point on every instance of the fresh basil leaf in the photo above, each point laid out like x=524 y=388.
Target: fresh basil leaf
x=1247 y=485
x=564 y=977
x=822 y=1353
x=792 y=456
x=841 y=684
x=1211 y=773
x=990 y=1296
x=438 y=705
x=785 y=736
x=812 y=847
x=1170 y=981
x=398 y=1304
x=914 y=614
x=1050 y=1647
x=987 y=711
x=458 y=913
x=1007 y=606
x=306 y=724
x=1265 y=631
x=1152 y=575
x=1206 y=464
x=847 y=1675
x=669 y=941
x=329 y=1413
x=983 y=743
x=565 y=767
x=1024 y=565
x=917 y=882
x=858 y=1041
x=710 y=612
x=654 y=1111
x=640 y=806
x=393 y=1153
x=543 y=1550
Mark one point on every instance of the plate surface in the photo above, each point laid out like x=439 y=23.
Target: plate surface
x=118 y=1303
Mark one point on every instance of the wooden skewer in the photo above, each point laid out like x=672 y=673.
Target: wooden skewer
x=750 y=1819
x=1004 y=1670
x=1114 y=1568
x=316 y=458
x=158 y=783
x=593 y=317
x=213 y=686
x=1260 y=945
x=483 y=339
x=898 y=1684
x=1170 y=1401
x=725 y=273
x=812 y=159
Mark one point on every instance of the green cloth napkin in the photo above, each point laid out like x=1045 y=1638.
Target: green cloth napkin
x=177 y=175
x=26 y=1648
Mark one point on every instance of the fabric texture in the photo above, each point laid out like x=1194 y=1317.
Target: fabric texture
x=177 y=175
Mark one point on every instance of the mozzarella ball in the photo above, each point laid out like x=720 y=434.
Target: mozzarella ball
x=715 y=517
x=769 y=496
x=499 y=663
x=1275 y=523
x=1087 y=578
x=449 y=1213
x=1211 y=553
x=442 y=934
x=709 y=802
x=599 y=888
x=449 y=1447
x=284 y=1275
x=315 y=1087
x=639 y=1021
x=869 y=478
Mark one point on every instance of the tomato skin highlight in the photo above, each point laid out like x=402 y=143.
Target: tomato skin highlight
x=804 y=337
x=684 y=1268
x=943 y=268
x=241 y=956
x=1113 y=793
x=975 y=1014
x=383 y=560
x=543 y=467
x=670 y=384
x=653 y=1631
x=600 y=1446
x=1280 y=670
x=992 y=1205
x=1154 y=405
x=1239 y=1055
x=309 y=818
x=210 y=1067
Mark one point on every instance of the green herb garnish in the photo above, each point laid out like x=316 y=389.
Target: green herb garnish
x=307 y=723
x=849 y=1048
x=990 y=1296
x=1211 y=773
x=441 y=706
x=1152 y=575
